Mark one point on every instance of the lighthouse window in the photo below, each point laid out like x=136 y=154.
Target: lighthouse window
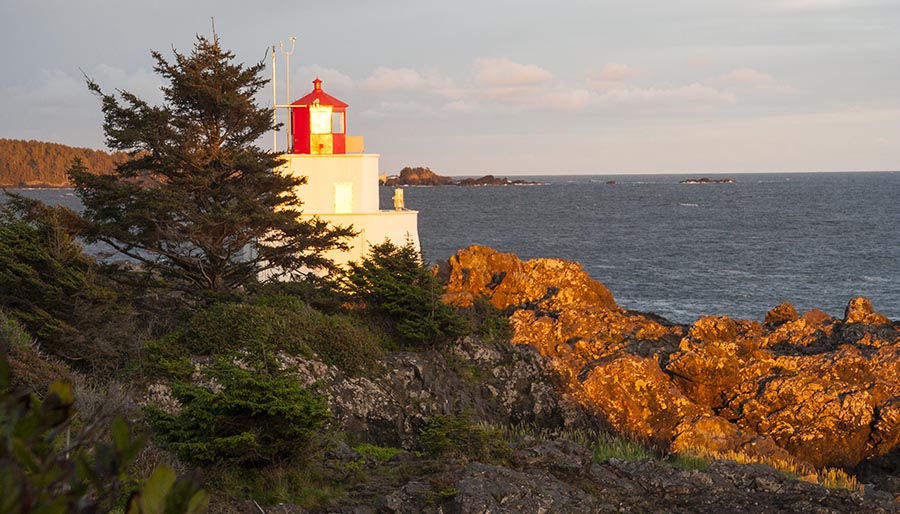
x=337 y=122
x=320 y=120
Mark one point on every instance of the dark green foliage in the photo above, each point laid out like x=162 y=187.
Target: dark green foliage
x=198 y=204
x=394 y=284
x=487 y=321
x=249 y=417
x=379 y=453
x=31 y=369
x=256 y=332
x=321 y=293
x=44 y=470
x=459 y=438
x=51 y=287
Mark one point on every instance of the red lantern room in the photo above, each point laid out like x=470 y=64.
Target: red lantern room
x=319 y=123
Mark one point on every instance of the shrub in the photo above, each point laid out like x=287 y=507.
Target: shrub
x=30 y=367
x=40 y=474
x=487 y=320
x=255 y=333
x=457 y=437
x=393 y=283
x=379 y=453
x=50 y=286
x=247 y=417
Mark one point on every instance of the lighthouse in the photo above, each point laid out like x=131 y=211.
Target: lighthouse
x=342 y=180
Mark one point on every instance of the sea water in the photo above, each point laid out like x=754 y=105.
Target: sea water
x=680 y=250
x=683 y=251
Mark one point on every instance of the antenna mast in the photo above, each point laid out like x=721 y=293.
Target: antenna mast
x=274 y=106
x=287 y=78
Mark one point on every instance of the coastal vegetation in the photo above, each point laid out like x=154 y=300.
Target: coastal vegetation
x=42 y=164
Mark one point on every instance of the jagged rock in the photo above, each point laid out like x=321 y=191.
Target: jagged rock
x=860 y=310
x=781 y=314
x=548 y=283
x=559 y=476
x=824 y=390
x=637 y=398
x=494 y=382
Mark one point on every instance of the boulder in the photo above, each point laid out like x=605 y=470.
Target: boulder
x=859 y=310
x=781 y=314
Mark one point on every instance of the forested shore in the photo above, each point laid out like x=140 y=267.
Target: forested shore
x=43 y=164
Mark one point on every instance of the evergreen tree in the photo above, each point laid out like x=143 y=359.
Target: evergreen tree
x=197 y=192
x=394 y=284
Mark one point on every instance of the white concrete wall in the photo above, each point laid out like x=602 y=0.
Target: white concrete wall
x=374 y=228
x=323 y=171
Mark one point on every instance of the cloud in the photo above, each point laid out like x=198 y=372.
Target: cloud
x=614 y=72
x=504 y=72
x=747 y=76
x=400 y=109
x=385 y=80
x=460 y=106
x=142 y=82
x=332 y=80
x=567 y=99
x=692 y=97
x=798 y=5
x=392 y=79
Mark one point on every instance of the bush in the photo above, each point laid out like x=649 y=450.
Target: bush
x=245 y=417
x=50 y=286
x=38 y=473
x=255 y=333
x=30 y=367
x=394 y=284
x=487 y=320
x=459 y=438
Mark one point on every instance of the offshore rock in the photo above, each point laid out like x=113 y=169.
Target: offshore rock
x=821 y=390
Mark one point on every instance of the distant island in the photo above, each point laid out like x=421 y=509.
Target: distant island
x=706 y=180
x=43 y=164
x=420 y=176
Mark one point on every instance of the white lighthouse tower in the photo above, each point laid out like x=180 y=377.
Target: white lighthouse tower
x=342 y=181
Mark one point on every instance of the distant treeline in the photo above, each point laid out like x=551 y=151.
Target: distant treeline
x=42 y=164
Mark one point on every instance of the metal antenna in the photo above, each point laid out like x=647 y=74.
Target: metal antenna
x=274 y=106
x=287 y=78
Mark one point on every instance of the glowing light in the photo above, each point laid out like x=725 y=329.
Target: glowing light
x=320 y=119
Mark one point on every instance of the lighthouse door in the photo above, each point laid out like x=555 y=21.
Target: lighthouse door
x=343 y=197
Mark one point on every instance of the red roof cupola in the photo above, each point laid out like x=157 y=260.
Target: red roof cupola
x=319 y=123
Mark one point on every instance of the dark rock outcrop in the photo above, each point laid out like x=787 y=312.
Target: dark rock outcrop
x=425 y=177
x=500 y=383
x=707 y=180
x=558 y=476
x=418 y=177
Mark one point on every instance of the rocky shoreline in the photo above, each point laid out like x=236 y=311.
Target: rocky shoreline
x=805 y=388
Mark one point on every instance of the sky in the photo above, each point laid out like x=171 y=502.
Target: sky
x=518 y=87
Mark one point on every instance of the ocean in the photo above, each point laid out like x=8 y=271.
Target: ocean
x=683 y=251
